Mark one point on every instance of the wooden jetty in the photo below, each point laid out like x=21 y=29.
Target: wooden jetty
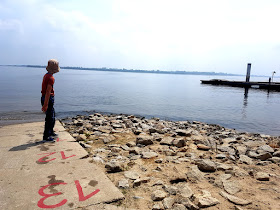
x=258 y=85
x=247 y=84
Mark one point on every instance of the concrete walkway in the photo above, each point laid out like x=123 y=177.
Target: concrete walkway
x=36 y=174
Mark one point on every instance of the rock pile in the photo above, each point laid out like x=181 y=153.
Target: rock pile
x=182 y=165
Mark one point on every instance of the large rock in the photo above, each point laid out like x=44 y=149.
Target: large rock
x=144 y=139
x=234 y=199
x=158 y=195
x=203 y=147
x=224 y=167
x=167 y=141
x=123 y=184
x=261 y=176
x=158 y=206
x=172 y=190
x=274 y=159
x=181 y=132
x=264 y=155
x=266 y=148
x=185 y=191
x=178 y=206
x=241 y=150
x=231 y=187
x=179 y=142
x=168 y=202
x=194 y=174
x=131 y=175
x=206 y=200
x=206 y=165
x=276 y=154
x=246 y=159
x=113 y=166
x=148 y=155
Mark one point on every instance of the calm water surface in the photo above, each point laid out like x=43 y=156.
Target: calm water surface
x=173 y=97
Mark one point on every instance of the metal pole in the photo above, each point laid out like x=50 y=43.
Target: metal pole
x=274 y=72
x=248 y=72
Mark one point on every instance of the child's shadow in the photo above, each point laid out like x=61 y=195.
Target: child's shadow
x=27 y=146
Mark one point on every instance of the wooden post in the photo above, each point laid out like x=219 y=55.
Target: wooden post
x=248 y=72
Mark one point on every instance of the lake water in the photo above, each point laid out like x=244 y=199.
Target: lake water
x=167 y=96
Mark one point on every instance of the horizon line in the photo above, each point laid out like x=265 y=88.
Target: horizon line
x=135 y=70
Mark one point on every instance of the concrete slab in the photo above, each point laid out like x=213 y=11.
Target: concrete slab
x=36 y=175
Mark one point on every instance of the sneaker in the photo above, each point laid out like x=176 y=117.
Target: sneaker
x=54 y=134
x=50 y=139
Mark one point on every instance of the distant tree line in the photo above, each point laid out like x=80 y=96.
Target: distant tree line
x=133 y=70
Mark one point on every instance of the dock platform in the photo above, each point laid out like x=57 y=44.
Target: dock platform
x=257 y=85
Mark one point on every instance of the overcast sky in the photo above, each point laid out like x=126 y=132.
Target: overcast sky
x=188 y=35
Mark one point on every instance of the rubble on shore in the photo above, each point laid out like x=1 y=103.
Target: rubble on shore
x=161 y=164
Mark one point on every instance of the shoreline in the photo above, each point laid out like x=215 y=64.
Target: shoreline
x=161 y=164
x=20 y=117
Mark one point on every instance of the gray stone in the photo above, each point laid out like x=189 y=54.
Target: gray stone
x=135 y=157
x=230 y=140
x=158 y=195
x=223 y=167
x=113 y=166
x=206 y=200
x=202 y=147
x=206 y=165
x=266 y=148
x=239 y=172
x=181 y=132
x=84 y=145
x=221 y=156
x=168 y=202
x=82 y=137
x=261 y=176
x=148 y=155
x=158 y=206
x=225 y=176
x=131 y=175
x=234 y=199
x=158 y=182
x=138 y=182
x=194 y=174
x=252 y=144
x=186 y=202
x=178 y=206
x=125 y=147
x=123 y=184
x=107 y=139
x=167 y=141
x=264 y=156
x=135 y=150
x=185 y=191
x=241 y=150
x=115 y=126
x=172 y=190
x=179 y=142
x=252 y=154
x=231 y=187
x=246 y=159
x=274 y=159
x=98 y=159
x=276 y=154
x=224 y=148
x=144 y=139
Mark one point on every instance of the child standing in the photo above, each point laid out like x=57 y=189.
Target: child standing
x=47 y=99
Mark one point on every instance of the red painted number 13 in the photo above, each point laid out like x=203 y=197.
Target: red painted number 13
x=82 y=197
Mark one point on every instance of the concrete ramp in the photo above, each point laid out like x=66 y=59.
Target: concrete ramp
x=42 y=175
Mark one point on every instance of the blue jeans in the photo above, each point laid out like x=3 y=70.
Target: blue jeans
x=50 y=117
